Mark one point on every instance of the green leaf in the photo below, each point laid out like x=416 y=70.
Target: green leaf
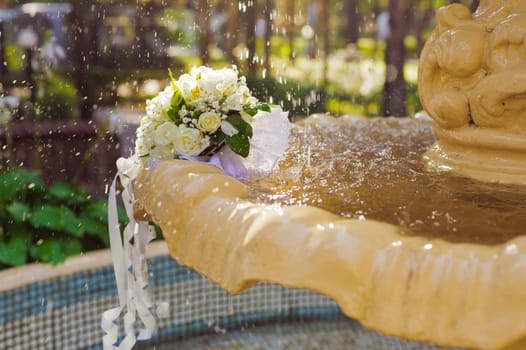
x=72 y=224
x=17 y=180
x=240 y=124
x=18 y=229
x=96 y=228
x=258 y=106
x=97 y=210
x=47 y=216
x=172 y=79
x=239 y=143
x=177 y=98
x=72 y=246
x=176 y=101
x=173 y=114
x=57 y=218
x=51 y=250
x=217 y=138
x=68 y=193
x=14 y=252
x=19 y=211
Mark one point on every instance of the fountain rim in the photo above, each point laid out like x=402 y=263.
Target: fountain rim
x=337 y=257
x=16 y=277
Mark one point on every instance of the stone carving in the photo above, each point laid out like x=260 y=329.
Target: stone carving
x=472 y=79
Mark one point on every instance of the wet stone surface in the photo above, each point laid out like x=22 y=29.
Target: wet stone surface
x=373 y=169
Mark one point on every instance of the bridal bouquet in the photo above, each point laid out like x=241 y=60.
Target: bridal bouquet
x=197 y=114
x=208 y=116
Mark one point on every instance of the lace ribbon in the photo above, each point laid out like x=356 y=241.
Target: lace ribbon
x=130 y=267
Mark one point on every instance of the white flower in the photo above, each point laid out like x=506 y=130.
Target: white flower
x=209 y=122
x=232 y=103
x=216 y=82
x=190 y=141
x=228 y=129
x=157 y=107
x=166 y=133
x=208 y=96
x=162 y=152
x=143 y=144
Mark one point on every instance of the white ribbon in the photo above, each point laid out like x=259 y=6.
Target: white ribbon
x=270 y=140
x=130 y=267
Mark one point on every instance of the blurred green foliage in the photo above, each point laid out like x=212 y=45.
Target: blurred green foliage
x=60 y=100
x=14 y=56
x=297 y=98
x=47 y=224
x=176 y=20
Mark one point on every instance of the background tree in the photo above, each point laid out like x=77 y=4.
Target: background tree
x=202 y=21
x=86 y=19
x=141 y=17
x=351 y=21
x=395 y=89
x=250 y=31
x=289 y=26
x=267 y=16
x=323 y=31
x=3 y=63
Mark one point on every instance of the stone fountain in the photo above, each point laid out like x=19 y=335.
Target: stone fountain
x=354 y=213
x=473 y=82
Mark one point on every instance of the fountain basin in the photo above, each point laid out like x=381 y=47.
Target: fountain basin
x=444 y=290
x=59 y=307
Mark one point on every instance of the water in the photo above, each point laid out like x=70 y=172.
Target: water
x=373 y=169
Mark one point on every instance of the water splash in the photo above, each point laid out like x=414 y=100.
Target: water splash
x=373 y=169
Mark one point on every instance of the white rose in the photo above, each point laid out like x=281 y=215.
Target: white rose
x=166 y=133
x=186 y=83
x=228 y=128
x=232 y=103
x=246 y=97
x=209 y=122
x=162 y=152
x=160 y=103
x=217 y=83
x=189 y=141
x=143 y=144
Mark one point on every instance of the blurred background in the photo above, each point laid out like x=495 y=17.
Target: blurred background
x=74 y=77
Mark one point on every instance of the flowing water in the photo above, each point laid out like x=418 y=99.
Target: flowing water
x=373 y=169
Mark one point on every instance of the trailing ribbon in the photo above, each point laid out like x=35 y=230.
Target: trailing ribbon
x=270 y=140
x=130 y=267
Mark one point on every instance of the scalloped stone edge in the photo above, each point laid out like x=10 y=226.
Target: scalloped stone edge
x=428 y=290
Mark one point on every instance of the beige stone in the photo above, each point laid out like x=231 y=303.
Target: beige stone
x=472 y=81
x=440 y=292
